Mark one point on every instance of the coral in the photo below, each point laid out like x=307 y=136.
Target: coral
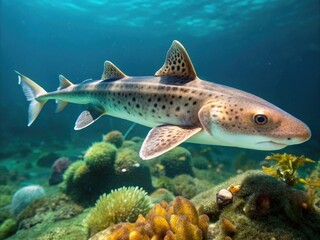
x=182 y=185
x=47 y=159
x=8 y=228
x=5 y=199
x=58 y=168
x=24 y=196
x=177 y=161
x=68 y=175
x=261 y=208
x=179 y=220
x=82 y=185
x=187 y=186
x=161 y=194
x=286 y=169
x=123 y=204
x=128 y=165
x=55 y=208
x=243 y=163
x=100 y=157
x=114 y=137
x=314 y=193
x=105 y=168
x=200 y=162
x=54 y=217
x=132 y=145
x=126 y=160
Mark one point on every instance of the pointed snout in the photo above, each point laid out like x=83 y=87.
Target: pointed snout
x=303 y=133
x=296 y=132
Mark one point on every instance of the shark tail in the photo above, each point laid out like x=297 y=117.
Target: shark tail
x=32 y=91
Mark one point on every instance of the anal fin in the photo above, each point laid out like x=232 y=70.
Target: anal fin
x=163 y=138
x=89 y=116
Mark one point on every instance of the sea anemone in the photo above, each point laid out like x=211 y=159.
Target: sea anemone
x=121 y=205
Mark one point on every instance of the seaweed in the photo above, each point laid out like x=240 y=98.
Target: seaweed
x=286 y=169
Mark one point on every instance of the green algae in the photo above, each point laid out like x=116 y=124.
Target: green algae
x=263 y=208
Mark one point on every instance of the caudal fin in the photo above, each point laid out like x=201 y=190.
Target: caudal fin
x=32 y=91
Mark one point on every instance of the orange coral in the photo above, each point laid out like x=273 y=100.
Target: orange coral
x=177 y=221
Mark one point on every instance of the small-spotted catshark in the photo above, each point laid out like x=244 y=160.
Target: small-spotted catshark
x=177 y=105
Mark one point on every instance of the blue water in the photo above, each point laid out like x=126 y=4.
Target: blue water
x=269 y=48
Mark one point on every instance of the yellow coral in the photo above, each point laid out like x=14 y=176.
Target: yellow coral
x=178 y=221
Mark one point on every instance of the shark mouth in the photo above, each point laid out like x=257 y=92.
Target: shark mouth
x=272 y=144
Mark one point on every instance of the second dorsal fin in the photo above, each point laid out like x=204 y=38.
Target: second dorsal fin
x=111 y=71
x=64 y=82
x=177 y=64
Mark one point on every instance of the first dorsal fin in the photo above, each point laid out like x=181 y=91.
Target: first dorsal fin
x=111 y=71
x=177 y=64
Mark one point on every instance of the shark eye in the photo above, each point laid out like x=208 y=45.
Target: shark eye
x=260 y=119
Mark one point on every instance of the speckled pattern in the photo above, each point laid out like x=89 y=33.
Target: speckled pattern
x=176 y=103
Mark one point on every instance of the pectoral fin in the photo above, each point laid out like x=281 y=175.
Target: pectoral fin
x=163 y=138
x=88 y=117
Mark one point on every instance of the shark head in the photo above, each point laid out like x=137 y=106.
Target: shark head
x=251 y=122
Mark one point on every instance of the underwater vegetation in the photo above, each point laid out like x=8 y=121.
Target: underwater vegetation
x=254 y=205
x=8 y=228
x=105 y=167
x=179 y=220
x=121 y=205
x=175 y=162
x=114 y=137
x=182 y=185
x=54 y=216
x=286 y=169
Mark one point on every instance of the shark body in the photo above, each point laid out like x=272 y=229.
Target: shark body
x=177 y=105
